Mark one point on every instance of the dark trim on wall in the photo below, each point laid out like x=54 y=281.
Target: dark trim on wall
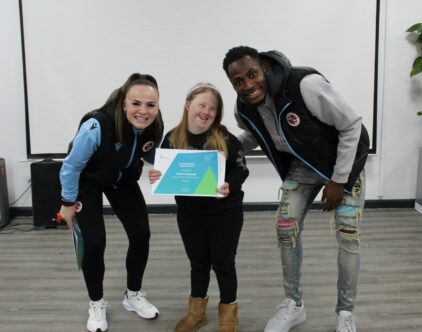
x=373 y=149
x=369 y=204
x=25 y=83
x=390 y=204
x=248 y=207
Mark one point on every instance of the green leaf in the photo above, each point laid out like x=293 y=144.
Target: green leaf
x=416 y=27
x=417 y=66
x=419 y=39
x=419 y=113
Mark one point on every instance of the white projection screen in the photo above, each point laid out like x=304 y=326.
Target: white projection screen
x=76 y=52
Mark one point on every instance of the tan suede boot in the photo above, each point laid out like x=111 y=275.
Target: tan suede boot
x=227 y=315
x=196 y=316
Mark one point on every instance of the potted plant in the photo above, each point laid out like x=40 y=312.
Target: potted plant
x=417 y=69
x=417 y=63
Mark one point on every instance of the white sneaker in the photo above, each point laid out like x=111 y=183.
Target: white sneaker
x=139 y=304
x=345 y=322
x=97 y=316
x=287 y=316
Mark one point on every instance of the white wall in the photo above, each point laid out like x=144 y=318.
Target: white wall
x=401 y=128
x=168 y=48
x=12 y=104
x=390 y=173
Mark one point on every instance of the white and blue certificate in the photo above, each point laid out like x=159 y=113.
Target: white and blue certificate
x=189 y=172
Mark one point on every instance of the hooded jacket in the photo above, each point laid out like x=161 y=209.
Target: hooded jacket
x=308 y=139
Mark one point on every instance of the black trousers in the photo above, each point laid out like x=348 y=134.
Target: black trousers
x=129 y=205
x=211 y=242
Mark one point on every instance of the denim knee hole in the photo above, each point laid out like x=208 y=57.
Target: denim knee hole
x=287 y=231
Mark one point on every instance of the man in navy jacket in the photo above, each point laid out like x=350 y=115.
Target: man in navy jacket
x=314 y=140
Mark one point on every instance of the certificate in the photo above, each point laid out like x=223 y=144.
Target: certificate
x=189 y=172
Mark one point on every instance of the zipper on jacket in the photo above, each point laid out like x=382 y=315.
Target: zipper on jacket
x=262 y=138
x=136 y=134
x=135 y=144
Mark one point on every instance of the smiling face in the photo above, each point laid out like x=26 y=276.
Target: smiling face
x=201 y=111
x=141 y=105
x=249 y=79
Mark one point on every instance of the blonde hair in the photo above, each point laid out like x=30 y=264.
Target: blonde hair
x=217 y=133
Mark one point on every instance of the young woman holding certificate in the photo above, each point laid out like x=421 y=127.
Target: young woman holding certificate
x=210 y=227
x=106 y=157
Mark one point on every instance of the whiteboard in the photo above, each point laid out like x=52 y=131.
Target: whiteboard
x=76 y=52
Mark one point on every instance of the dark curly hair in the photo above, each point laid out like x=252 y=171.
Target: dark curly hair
x=237 y=53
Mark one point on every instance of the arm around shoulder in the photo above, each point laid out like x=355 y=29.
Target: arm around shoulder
x=236 y=169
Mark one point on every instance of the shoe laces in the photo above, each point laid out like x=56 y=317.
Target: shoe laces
x=284 y=309
x=140 y=298
x=98 y=310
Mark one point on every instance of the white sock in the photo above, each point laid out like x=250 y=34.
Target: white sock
x=99 y=302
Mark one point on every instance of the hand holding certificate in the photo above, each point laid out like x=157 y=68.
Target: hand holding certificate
x=189 y=172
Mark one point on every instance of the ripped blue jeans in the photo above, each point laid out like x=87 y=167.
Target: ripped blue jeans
x=299 y=189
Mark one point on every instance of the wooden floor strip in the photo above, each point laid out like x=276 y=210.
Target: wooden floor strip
x=42 y=290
